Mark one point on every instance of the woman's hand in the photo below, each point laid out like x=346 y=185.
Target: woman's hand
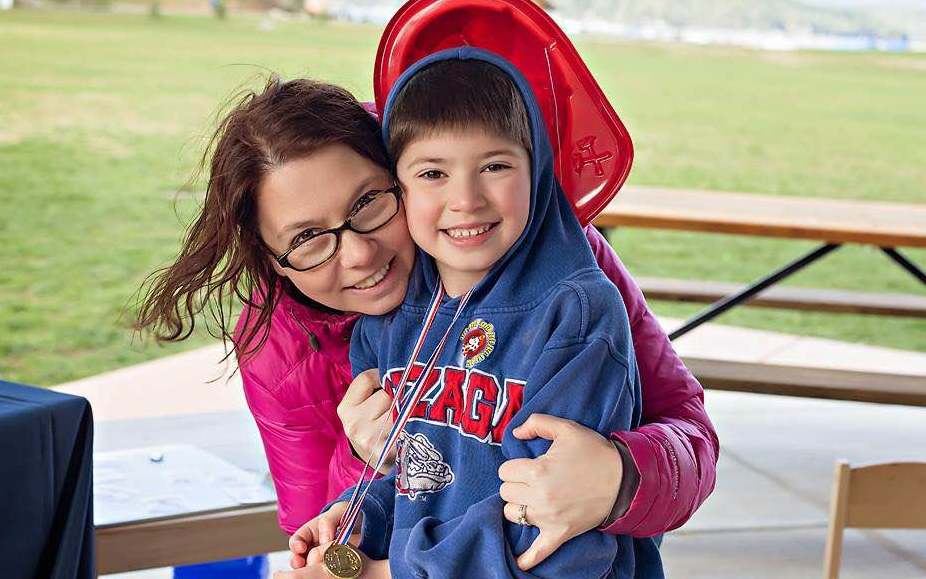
x=319 y=531
x=569 y=490
x=365 y=413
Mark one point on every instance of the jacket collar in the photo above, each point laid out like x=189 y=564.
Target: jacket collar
x=326 y=332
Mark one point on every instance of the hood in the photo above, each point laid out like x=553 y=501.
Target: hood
x=552 y=246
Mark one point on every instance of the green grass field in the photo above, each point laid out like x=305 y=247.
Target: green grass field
x=103 y=116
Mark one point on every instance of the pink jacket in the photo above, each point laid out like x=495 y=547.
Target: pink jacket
x=295 y=382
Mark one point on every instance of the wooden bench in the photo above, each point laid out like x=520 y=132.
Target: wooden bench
x=809 y=382
x=831 y=222
x=819 y=300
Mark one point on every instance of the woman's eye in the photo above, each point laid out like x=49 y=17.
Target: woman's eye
x=496 y=167
x=303 y=236
x=367 y=198
x=431 y=174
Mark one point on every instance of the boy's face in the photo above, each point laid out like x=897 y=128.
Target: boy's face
x=467 y=200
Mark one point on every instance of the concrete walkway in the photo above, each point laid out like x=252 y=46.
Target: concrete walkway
x=767 y=517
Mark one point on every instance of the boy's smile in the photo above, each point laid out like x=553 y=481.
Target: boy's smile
x=467 y=200
x=469 y=235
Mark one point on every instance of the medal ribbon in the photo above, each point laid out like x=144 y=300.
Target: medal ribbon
x=406 y=402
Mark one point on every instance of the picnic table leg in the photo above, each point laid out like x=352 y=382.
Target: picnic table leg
x=905 y=263
x=733 y=300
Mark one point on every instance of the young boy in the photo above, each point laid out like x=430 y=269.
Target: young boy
x=543 y=329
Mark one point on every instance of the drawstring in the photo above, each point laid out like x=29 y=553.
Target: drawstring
x=313 y=339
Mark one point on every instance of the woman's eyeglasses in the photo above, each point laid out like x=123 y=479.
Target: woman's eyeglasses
x=372 y=211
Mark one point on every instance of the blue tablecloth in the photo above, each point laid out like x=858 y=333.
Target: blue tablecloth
x=46 y=484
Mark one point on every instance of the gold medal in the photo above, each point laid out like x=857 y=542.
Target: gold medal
x=343 y=561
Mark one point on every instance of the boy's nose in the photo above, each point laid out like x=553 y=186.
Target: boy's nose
x=357 y=249
x=467 y=196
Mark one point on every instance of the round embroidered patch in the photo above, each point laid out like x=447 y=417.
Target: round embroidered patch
x=478 y=342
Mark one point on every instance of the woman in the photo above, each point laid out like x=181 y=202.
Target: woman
x=298 y=158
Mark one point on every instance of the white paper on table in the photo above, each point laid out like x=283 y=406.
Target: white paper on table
x=163 y=481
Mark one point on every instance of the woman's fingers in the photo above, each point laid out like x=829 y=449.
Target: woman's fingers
x=512 y=512
x=517 y=493
x=364 y=412
x=542 y=547
x=518 y=470
x=543 y=426
x=559 y=503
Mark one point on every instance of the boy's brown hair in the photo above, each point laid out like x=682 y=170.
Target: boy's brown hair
x=457 y=95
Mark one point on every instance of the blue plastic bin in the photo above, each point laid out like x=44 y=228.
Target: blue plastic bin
x=247 y=568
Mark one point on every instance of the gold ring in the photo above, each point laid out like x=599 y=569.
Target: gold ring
x=522 y=515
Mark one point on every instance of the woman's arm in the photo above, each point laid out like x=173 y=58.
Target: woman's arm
x=298 y=453
x=293 y=393
x=660 y=473
x=308 y=453
x=675 y=449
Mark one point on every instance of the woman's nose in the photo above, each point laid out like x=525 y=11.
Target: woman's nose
x=357 y=249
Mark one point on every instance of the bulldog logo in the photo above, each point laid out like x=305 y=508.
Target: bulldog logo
x=420 y=468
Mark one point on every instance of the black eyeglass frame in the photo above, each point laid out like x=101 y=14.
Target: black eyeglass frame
x=283 y=260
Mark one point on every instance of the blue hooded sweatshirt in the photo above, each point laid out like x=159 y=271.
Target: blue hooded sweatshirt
x=544 y=332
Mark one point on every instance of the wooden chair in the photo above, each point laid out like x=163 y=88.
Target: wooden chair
x=880 y=496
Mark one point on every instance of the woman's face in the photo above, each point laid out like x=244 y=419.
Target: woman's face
x=319 y=192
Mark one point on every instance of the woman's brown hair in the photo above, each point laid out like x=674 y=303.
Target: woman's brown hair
x=223 y=258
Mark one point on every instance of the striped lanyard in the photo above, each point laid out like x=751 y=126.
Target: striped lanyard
x=405 y=402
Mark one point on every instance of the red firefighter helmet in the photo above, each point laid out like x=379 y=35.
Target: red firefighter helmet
x=591 y=147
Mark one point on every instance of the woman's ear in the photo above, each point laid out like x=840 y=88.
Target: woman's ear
x=280 y=271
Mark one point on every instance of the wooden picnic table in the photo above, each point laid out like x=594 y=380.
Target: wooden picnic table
x=194 y=537
x=830 y=221
x=187 y=539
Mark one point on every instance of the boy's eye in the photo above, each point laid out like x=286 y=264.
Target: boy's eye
x=496 y=167
x=431 y=174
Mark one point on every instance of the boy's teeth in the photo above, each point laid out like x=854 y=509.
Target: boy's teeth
x=375 y=278
x=463 y=233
